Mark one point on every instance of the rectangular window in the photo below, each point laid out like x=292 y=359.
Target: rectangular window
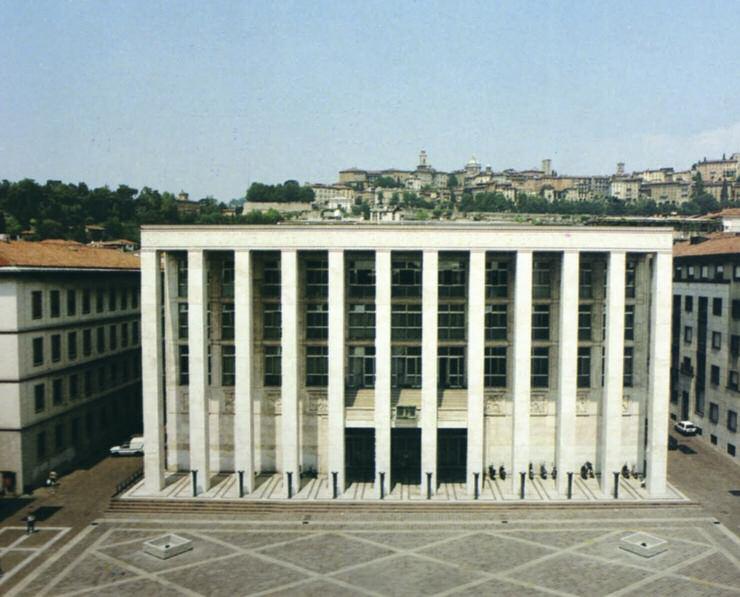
x=227 y=278
x=712 y=439
x=124 y=335
x=688 y=304
x=361 y=371
x=71 y=345
x=584 y=322
x=714 y=375
x=406 y=322
x=719 y=273
x=629 y=354
x=88 y=383
x=100 y=300
x=124 y=299
x=101 y=340
x=451 y=322
x=317 y=321
x=540 y=367
x=717 y=307
x=584 y=366
x=713 y=413
x=451 y=367
x=731 y=449
x=101 y=379
x=317 y=277
x=629 y=279
x=406 y=277
x=361 y=278
x=541 y=280
x=182 y=278
x=134 y=332
x=38 y=351
x=317 y=365
x=182 y=321
x=228 y=373
x=273 y=365
x=134 y=298
x=717 y=340
x=271 y=278
x=732 y=421
x=57 y=394
x=113 y=337
x=87 y=342
x=271 y=321
x=56 y=348
x=55 y=307
x=406 y=366
x=74 y=386
x=227 y=321
x=71 y=302
x=39 y=397
x=361 y=322
x=497 y=279
x=497 y=322
x=735 y=345
x=629 y=322
x=495 y=367
x=184 y=364
x=688 y=334
x=585 y=281
x=112 y=294
x=37 y=304
x=541 y=322
x=86 y=301
x=451 y=278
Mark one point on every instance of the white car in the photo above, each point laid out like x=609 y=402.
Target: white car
x=133 y=447
x=686 y=428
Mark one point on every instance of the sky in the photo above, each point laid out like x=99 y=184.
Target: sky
x=210 y=97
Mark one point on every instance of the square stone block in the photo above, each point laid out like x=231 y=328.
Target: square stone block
x=167 y=546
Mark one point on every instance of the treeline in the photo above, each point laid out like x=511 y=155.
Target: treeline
x=288 y=192
x=62 y=210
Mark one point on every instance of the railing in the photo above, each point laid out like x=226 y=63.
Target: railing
x=128 y=482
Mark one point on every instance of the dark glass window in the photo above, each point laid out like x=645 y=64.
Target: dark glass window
x=273 y=365
x=540 y=367
x=74 y=386
x=584 y=367
x=717 y=307
x=182 y=278
x=271 y=321
x=317 y=321
x=496 y=322
x=495 y=367
x=406 y=366
x=361 y=322
x=71 y=302
x=101 y=339
x=451 y=367
x=732 y=421
x=227 y=321
x=451 y=278
x=100 y=300
x=87 y=342
x=688 y=304
x=541 y=322
x=584 y=322
x=362 y=278
x=317 y=277
x=541 y=280
x=406 y=277
x=182 y=321
x=629 y=322
x=451 y=322
x=629 y=353
x=713 y=413
x=629 y=281
x=112 y=302
x=56 y=348
x=184 y=364
x=57 y=393
x=497 y=279
x=72 y=345
x=55 y=303
x=39 y=397
x=86 y=300
x=37 y=304
x=228 y=372
x=271 y=278
x=317 y=365
x=361 y=371
x=227 y=278
x=406 y=322
x=38 y=351
x=585 y=281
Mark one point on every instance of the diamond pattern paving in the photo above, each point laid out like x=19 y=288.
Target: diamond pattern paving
x=715 y=568
x=558 y=538
x=677 y=587
x=406 y=539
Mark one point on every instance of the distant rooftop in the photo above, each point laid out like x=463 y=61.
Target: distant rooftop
x=62 y=254
x=719 y=243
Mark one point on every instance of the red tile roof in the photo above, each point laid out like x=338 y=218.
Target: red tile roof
x=718 y=243
x=63 y=254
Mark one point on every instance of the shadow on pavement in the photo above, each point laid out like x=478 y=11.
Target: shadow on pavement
x=686 y=449
x=10 y=506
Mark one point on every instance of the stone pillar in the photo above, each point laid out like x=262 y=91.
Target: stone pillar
x=170 y=362
x=522 y=358
x=429 y=314
x=383 y=370
x=567 y=370
x=336 y=366
x=659 y=382
x=289 y=387
x=611 y=406
x=244 y=355
x=476 y=359
x=151 y=373
x=198 y=374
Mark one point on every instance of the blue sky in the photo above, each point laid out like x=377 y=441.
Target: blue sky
x=209 y=97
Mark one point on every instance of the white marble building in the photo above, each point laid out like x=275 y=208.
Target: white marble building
x=405 y=353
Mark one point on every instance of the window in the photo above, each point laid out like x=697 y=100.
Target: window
x=71 y=345
x=717 y=307
x=182 y=321
x=585 y=281
x=629 y=279
x=540 y=367
x=271 y=278
x=716 y=340
x=451 y=322
x=719 y=272
x=124 y=335
x=704 y=272
x=54 y=303
x=361 y=322
x=497 y=279
x=629 y=353
x=87 y=342
x=38 y=351
x=584 y=322
x=713 y=413
x=406 y=277
x=86 y=301
x=113 y=337
x=361 y=275
x=451 y=278
x=735 y=345
x=271 y=321
x=361 y=371
x=134 y=332
x=731 y=449
x=41 y=445
x=735 y=309
x=317 y=321
x=406 y=366
x=112 y=293
x=182 y=278
x=101 y=340
x=317 y=277
x=732 y=380
x=674 y=397
x=317 y=365
x=74 y=386
x=39 y=397
x=451 y=367
x=732 y=421
x=496 y=322
x=184 y=364
x=406 y=322
x=584 y=366
x=228 y=373
x=688 y=334
x=541 y=322
x=699 y=406
x=541 y=280
x=736 y=272
x=273 y=365
x=227 y=321
x=688 y=304
x=100 y=300
x=713 y=439
x=56 y=348
x=227 y=278
x=124 y=299
x=37 y=304
x=714 y=375
x=57 y=394
x=629 y=322
x=495 y=367
x=88 y=383
x=71 y=302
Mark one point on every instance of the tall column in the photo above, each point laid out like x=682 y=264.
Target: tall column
x=611 y=409
x=336 y=366
x=289 y=363
x=170 y=362
x=151 y=373
x=198 y=374
x=659 y=384
x=382 y=370
x=567 y=370
x=243 y=351
x=476 y=359
x=522 y=366
x=429 y=313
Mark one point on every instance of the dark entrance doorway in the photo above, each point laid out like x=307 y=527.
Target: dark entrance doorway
x=406 y=456
x=359 y=454
x=452 y=455
x=685 y=406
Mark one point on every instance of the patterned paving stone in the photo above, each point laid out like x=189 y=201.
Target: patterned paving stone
x=558 y=538
x=142 y=587
x=253 y=540
x=677 y=587
x=714 y=568
x=490 y=553
x=123 y=535
x=38 y=539
x=240 y=575
x=8 y=536
x=91 y=572
x=580 y=576
x=326 y=552
x=316 y=588
x=688 y=534
x=407 y=575
x=406 y=539
x=502 y=588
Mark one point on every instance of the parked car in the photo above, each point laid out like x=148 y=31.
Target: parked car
x=686 y=428
x=133 y=447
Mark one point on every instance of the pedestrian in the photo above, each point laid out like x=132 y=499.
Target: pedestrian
x=30 y=524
